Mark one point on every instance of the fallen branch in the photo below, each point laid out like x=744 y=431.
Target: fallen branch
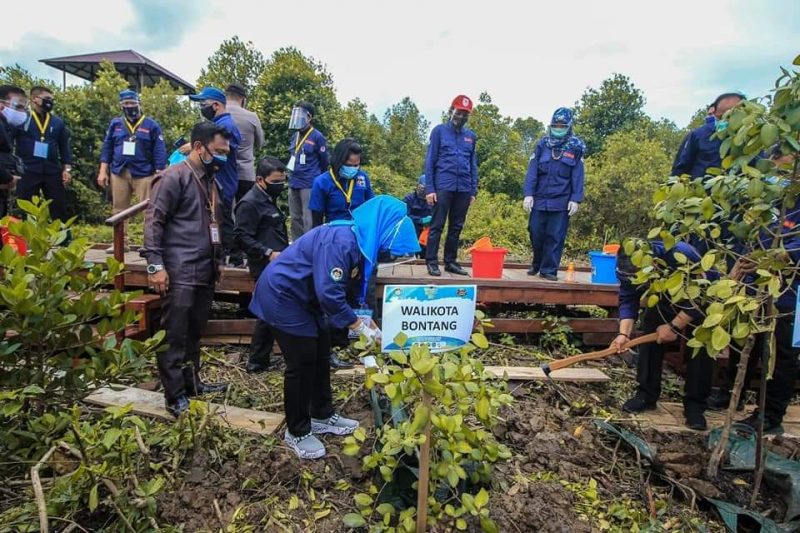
x=38 y=493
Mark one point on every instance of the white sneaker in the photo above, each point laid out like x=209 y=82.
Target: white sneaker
x=306 y=447
x=338 y=425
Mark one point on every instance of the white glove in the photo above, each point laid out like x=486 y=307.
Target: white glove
x=572 y=208
x=527 y=204
x=372 y=334
x=369 y=361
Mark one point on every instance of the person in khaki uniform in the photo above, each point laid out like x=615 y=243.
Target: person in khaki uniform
x=134 y=152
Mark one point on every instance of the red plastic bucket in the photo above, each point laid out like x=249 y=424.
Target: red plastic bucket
x=488 y=263
x=15 y=242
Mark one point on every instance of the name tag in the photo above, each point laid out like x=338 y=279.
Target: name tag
x=40 y=149
x=365 y=315
x=213 y=230
x=290 y=164
x=129 y=148
x=302 y=159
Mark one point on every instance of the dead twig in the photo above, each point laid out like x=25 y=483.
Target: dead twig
x=218 y=512
x=140 y=442
x=38 y=492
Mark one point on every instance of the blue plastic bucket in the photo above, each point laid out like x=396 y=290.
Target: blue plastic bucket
x=604 y=267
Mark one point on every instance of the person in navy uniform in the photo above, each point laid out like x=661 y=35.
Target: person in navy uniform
x=553 y=191
x=668 y=320
x=419 y=211
x=305 y=289
x=451 y=170
x=134 y=151
x=13 y=114
x=43 y=145
x=334 y=195
x=261 y=233
x=308 y=158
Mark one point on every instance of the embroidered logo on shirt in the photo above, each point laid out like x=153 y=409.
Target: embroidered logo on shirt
x=468 y=139
x=569 y=155
x=337 y=274
x=360 y=182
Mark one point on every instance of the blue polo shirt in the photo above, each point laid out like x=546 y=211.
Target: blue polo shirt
x=310 y=160
x=326 y=198
x=150 y=154
x=228 y=177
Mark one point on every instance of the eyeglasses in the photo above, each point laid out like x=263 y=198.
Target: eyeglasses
x=15 y=104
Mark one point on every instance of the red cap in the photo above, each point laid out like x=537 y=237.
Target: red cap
x=463 y=103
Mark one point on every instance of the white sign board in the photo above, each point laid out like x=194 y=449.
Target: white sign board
x=440 y=316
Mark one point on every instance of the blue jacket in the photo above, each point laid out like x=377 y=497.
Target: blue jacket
x=552 y=182
x=56 y=136
x=317 y=159
x=700 y=152
x=418 y=209
x=451 y=163
x=150 y=155
x=228 y=177
x=310 y=281
x=326 y=198
x=630 y=294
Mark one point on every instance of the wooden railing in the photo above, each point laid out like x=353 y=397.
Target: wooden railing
x=118 y=223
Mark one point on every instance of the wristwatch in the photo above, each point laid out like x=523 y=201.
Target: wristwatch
x=68 y=168
x=152 y=269
x=268 y=253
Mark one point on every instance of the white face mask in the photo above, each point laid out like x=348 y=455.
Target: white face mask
x=14 y=117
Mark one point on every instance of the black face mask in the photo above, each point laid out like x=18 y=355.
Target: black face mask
x=131 y=113
x=47 y=105
x=275 y=189
x=207 y=111
x=458 y=122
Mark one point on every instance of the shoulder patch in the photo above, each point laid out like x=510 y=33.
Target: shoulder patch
x=337 y=274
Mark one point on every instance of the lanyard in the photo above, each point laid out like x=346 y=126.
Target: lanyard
x=347 y=195
x=133 y=128
x=299 y=144
x=211 y=204
x=42 y=128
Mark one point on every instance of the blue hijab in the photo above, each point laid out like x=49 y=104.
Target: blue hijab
x=382 y=224
x=570 y=142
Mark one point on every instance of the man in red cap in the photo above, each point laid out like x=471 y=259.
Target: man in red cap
x=451 y=168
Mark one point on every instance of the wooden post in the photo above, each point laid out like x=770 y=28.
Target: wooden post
x=424 y=470
x=119 y=254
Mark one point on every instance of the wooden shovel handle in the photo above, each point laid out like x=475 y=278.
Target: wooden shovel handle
x=601 y=354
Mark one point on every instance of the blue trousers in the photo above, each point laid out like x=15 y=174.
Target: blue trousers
x=548 y=230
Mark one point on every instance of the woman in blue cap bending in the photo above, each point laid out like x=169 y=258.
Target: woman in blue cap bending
x=307 y=285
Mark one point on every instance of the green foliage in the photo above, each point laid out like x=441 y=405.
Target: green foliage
x=235 y=61
x=356 y=122
x=385 y=181
x=175 y=114
x=599 y=113
x=530 y=130
x=16 y=75
x=462 y=403
x=405 y=138
x=502 y=219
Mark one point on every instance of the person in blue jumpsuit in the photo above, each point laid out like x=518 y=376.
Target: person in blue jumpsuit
x=668 y=320
x=451 y=185
x=553 y=191
x=308 y=158
x=306 y=286
x=419 y=211
x=342 y=188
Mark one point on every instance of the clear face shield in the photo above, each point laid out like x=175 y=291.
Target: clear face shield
x=300 y=119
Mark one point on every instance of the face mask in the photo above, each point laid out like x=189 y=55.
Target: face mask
x=214 y=164
x=348 y=172
x=275 y=189
x=207 y=111
x=47 y=105
x=558 y=132
x=131 y=113
x=722 y=125
x=14 y=117
x=458 y=121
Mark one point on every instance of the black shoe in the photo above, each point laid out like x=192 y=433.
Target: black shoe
x=637 y=404
x=532 y=271
x=695 y=420
x=337 y=364
x=258 y=367
x=770 y=424
x=207 y=388
x=455 y=268
x=433 y=269
x=549 y=277
x=178 y=407
x=720 y=399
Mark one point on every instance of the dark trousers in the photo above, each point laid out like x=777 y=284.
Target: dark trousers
x=651 y=361
x=307 y=380
x=186 y=311
x=548 y=231
x=261 y=344
x=450 y=207
x=243 y=188
x=46 y=186
x=226 y=233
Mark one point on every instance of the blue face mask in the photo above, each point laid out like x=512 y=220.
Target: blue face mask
x=222 y=159
x=722 y=125
x=348 y=172
x=558 y=132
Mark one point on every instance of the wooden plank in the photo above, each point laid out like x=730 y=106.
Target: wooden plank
x=538 y=325
x=524 y=373
x=151 y=403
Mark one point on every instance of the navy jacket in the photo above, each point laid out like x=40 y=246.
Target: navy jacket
x=554 y=182
x=326 y=198
x=314 y=152
x=700 y=152
x=56 y=136
x=309 y=282
x=150 y=154
x=418 y=209
x=630 y=294
x=228 y=176
x=451 y=163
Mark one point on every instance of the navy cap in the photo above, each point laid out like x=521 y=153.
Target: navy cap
x=209 y=93
x=128 y=94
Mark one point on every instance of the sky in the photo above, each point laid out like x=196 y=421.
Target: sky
x=531 y=57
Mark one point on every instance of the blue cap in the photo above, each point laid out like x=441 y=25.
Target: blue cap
x=209 y=93
x=128 y=94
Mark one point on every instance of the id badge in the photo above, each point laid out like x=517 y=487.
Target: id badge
x=302 y=159
x=129 y=148
x=213 y=229
x=40 y=149
x=363 y=314
x=290 y=164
